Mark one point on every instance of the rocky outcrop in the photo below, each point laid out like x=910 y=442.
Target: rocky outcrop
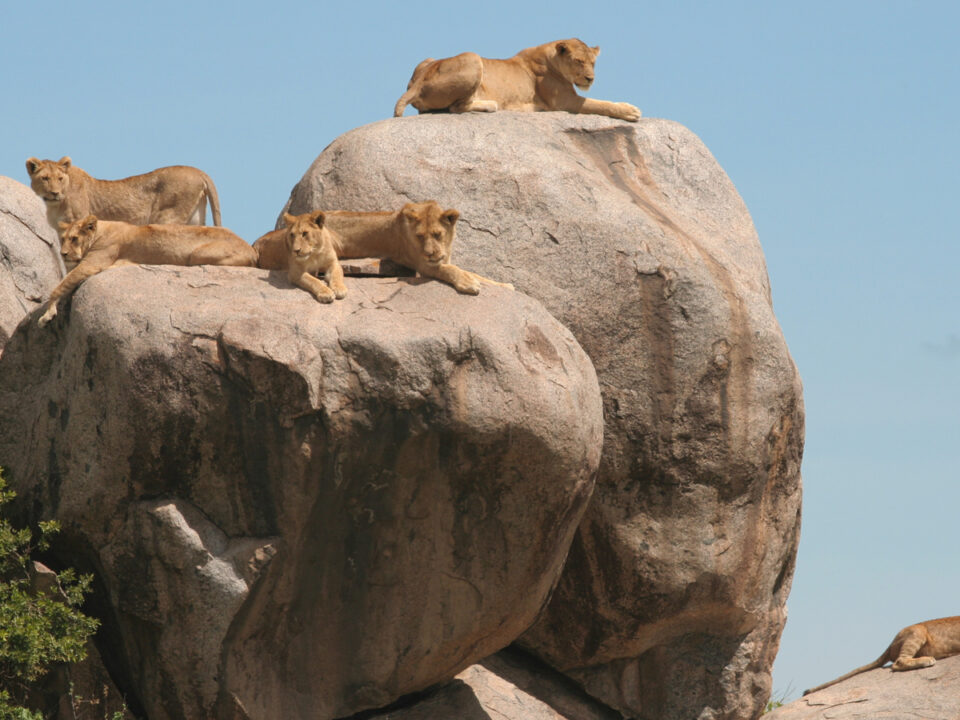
x=297 y=510
x=932 y=693
x=29 y=255
x=672 y=601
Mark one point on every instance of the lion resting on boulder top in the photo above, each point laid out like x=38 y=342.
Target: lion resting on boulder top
x=305 y=248
x=170 y=195
x=538 y=78
x=91 y=246
x=418 y=236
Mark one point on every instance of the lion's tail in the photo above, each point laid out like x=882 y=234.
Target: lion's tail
x=413 y=89
x=404 y=100
x=210 y=191
x=879 y=662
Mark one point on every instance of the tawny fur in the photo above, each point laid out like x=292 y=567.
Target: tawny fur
x=536 y=79
x=304 y=248
x=92 y=246
x=916 y=646
x=419 y=236
x=169 y=195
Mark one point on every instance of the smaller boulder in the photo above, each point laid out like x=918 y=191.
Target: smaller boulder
x=510 y=685
x=932 y=692
x=30 y=264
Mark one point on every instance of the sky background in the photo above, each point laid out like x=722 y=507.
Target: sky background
x=836 y=121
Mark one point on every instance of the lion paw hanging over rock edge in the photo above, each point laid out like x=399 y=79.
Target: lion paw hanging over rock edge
x=673 y=598
x=301 y=511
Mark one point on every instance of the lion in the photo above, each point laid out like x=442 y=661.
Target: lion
x=418 y=235
x=536 y=79
x=93 y=245
x=176 y=195
x=304 y=248
x=914 y=647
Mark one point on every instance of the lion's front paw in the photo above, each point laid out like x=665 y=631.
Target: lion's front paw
x=326 y=297
x=339 y=292
x=469 y=288
x=49 y=315
x=626 y=111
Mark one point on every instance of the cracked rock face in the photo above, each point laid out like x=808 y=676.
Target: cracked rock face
x=29 y=255
x=298 y=510
x=673 y=598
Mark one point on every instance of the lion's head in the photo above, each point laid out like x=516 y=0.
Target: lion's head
x=306 y=234
x=76 y=238
x=574 y=60
x=430 y=229
x=50 y=180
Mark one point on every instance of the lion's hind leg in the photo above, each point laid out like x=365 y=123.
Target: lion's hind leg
x=912 y=640
x=448 y=84
x=473 y=105
x=223 y=252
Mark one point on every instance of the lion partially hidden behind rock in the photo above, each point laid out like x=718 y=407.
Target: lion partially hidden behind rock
x=538 y=78
x=171 y=195
x=914 y=647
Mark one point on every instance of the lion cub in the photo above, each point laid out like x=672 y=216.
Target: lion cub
x=538 y=78
x=418 y=235
x=169 y=195
x=304 y=248
x=91 y=246
x=916 y=646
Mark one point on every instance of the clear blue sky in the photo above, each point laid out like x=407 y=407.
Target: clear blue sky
x=837 y=121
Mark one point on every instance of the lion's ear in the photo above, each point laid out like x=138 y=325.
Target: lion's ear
x=319 y=218
x=409 y=212
x=63 y=224
x=596 y=50
x=450 y=217
x=562 y=48
x=32 y=166
x=65 y=162
x=289 y=219
x=90 y=223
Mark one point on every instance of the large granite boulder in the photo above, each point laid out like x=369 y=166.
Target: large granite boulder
x=673 y=598
x=30 y=264
x=298 y=510
x=932 y=693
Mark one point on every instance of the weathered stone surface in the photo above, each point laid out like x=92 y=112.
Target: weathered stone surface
x=301 y=510
x=505 y=686
x=929 y=694
x=30 y=263
x=672 y=601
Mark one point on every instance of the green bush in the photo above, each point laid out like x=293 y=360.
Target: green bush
x=38 y=628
